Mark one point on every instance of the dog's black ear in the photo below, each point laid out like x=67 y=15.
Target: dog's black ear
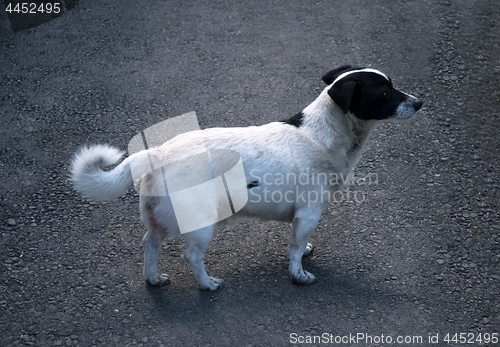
x=330 y=76
x=345 y=92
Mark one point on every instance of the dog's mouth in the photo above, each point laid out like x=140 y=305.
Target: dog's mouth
x=408 y=108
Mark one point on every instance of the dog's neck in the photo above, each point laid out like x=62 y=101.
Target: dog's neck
x=334 y=129
x=361 y=130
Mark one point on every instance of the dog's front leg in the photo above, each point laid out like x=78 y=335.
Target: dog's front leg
x=302 y=229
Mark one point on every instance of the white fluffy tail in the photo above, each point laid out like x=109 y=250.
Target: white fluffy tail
x=93 y=182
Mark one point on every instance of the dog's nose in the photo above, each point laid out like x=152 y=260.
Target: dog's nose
x=417 y=104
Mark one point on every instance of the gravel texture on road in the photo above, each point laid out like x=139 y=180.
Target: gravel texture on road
x=413 y=252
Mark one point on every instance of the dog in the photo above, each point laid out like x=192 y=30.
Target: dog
x=327 y=138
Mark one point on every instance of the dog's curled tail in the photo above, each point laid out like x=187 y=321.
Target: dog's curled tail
x=91 y=180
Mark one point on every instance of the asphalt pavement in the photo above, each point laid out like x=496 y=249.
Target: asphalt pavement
x=410 y=256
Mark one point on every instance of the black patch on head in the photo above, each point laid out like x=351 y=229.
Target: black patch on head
x=367 y=95
x=332 y=75
x=253 y=184
x=296 y=120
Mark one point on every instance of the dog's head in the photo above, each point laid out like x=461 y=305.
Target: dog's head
x=369 y=94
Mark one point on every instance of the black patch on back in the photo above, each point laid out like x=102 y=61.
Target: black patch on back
x=296 y=120
x=252 y=184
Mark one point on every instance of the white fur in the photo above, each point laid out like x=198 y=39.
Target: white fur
x=405 y=110
x=360 y=70
x=89 y=178
x=327 y=142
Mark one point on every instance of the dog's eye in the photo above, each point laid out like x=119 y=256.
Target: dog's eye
x=386 y=91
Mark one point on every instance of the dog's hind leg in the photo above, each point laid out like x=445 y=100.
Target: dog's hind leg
x=197 y=243
x=309 y=249
x=302 y=228
x=152 y=245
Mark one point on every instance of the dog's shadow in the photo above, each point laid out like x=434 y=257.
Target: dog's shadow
x=257 y=293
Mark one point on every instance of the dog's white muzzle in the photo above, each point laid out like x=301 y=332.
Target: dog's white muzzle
x=408 y=107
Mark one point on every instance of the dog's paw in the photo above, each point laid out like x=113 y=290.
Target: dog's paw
x=309 y=250
x=158 y=281
x=303 y=277
x=212 y=284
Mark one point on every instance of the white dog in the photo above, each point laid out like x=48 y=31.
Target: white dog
x=325 y=140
